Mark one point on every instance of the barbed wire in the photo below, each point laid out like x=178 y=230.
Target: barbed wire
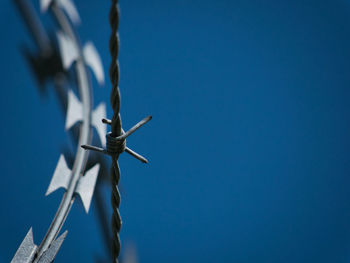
x=116 y=126
x=116 y=139
x=71 y=51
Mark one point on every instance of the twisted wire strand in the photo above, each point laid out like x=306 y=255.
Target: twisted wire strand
x=116 y=138
x=116 y=125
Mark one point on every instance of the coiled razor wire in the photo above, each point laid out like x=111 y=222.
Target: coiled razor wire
x=72 y=180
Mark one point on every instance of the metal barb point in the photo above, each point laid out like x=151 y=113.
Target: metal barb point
x=127 y=149
x=136 y=155
x=94 y=148
x=135 y=128
x=106 y=121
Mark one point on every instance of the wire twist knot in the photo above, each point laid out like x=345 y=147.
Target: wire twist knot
x=115 y=145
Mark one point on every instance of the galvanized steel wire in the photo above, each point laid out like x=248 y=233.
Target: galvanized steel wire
x=116 y=126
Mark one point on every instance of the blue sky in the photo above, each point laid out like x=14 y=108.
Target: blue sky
x=248 y=146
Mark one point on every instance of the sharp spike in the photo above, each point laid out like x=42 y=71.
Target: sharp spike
x=50 y=254
x=74 y=111
x=98 y=114
x=68 y=50
x=136 y=155
x=60 y=177
x=44 y=5
x=67 y=5
x=26 y=251
x=86 y=186
x=106 y=121
x=71 y=10
x=135 y=127
x=94 y=148
x=93 y=59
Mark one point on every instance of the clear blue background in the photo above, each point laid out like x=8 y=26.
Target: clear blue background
x=248 y=148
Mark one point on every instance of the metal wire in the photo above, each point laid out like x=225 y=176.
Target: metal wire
x=116 y=125
x=116 y=139
x=85 y=135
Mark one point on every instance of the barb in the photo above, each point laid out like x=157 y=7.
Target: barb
x=27 y=251
x=117 y=144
